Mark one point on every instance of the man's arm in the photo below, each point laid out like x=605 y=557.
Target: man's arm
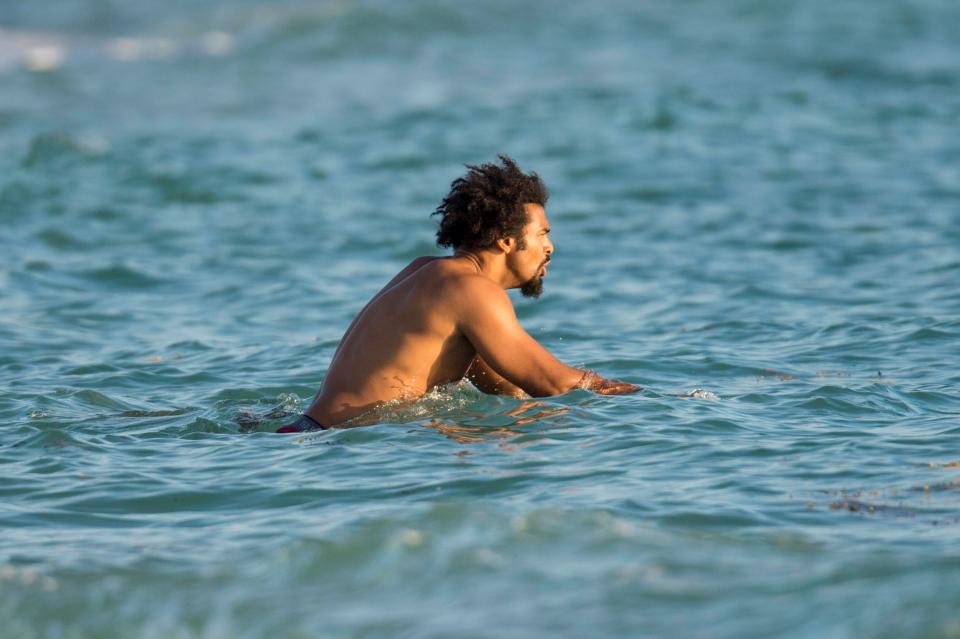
x=489 y=381
x=488 y=320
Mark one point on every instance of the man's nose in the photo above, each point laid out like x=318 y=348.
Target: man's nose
x=548 y=249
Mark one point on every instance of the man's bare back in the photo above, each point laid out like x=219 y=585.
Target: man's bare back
x=441 y=319
x=404 y=342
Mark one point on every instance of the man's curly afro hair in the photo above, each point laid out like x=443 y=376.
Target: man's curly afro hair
x=487 y=204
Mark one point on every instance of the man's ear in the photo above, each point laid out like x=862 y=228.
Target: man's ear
x=506 y=244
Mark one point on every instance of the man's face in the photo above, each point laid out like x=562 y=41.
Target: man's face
x=530 y=262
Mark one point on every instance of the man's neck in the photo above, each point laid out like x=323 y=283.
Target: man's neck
x=487 y=263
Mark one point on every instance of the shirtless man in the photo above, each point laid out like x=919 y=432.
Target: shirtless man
x=443 y=318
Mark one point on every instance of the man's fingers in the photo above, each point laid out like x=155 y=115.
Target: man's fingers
x=618 y=388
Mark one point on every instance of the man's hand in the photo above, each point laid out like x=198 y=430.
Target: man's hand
x=600 y=385
x=616 y=387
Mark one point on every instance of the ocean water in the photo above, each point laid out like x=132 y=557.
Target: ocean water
x=756 y=211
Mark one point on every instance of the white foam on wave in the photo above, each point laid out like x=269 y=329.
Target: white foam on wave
x=48 y=51
x=44 y=58
x=700 y=393
x=129 y=49
x=33 y=50
x=216 y=43
x=437 y=401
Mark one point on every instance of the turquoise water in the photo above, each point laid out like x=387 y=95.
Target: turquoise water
x=754 y=199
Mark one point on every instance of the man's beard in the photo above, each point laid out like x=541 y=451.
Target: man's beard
x=532 y=288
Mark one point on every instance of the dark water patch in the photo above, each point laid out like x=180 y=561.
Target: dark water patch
x=152 y=374
x=191 y=345
x=931 y=401
x=22 y=199
x=762 y=399
x=717 y=367
x=855 y=401
x=57 y=238
x=10 y=117
x=788 y=243
x=863 y=70
x=487 y=486
x=95 y=399
x=106 y=213
x=38 y=266
x=715 y=425
x=736 y=327
x=170 y=412
x=322 y=34
x=91 y=369
x=852 y=329
x=43 y=466
x=200 y=425
x=652 y=194
x=711 y=521
x=366 y=435
x=42 y=282
x=122 y=276
x=185 y=189
x=662 y=118
x=169 y=500
x=266 y=398
x=70 y=517
x=932 y=334
x=401 y=163
x=57 y=149
x=50 y=434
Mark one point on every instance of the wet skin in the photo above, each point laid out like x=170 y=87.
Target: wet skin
x=443 y=318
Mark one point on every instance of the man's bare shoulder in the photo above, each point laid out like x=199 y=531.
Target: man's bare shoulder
x=416 y=265
x=423 y=260
x=456 y=274
x=413 y=268
x=461 y=286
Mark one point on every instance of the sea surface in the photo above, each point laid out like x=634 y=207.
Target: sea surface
x=756 y=212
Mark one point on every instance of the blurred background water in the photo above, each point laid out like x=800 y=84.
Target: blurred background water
x=758 y=199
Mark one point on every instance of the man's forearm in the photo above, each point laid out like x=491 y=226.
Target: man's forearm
x=489 y=381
